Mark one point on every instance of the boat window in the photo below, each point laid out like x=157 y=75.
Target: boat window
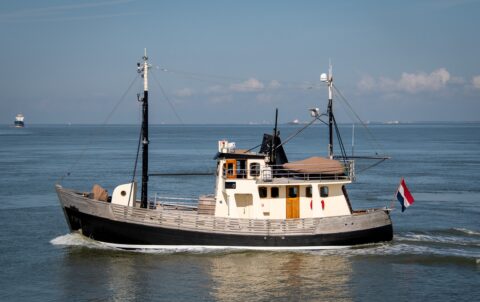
x=324 y=191
x=230 y=168
x=308 y=191
x=262 y=191
x=274 y=192
x=230 y=185
x=254 y=169
x=292 y=192
x=241 y=169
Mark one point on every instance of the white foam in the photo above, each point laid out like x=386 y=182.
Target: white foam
x=439 y=239
x=467 y=231
x=76 y=239
x=208 y=248
x=394 y=248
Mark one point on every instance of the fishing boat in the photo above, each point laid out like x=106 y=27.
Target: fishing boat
x=260 y=201
x=19 y=121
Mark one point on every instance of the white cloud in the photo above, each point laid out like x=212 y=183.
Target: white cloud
x=408 y=82
x=249 y=85
x=184 y=92
x=366 y=83
x=476 y=82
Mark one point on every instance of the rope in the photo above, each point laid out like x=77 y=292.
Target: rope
x=342 y=97
x=340 y=141
x=168 y=99
x=105 y=122
x=222 y=79
x=299 y=131
x=170 y=103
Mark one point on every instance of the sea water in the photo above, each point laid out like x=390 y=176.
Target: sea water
x=435 y=254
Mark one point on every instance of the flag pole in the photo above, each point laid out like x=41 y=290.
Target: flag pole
x=392 y=203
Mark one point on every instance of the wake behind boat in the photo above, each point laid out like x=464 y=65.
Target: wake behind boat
x=260 y=200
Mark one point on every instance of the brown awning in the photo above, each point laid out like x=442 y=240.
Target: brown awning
x=316 y=165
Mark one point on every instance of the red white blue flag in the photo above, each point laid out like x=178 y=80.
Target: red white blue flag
x=404 y=196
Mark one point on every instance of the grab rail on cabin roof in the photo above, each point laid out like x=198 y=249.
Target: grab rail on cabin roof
x=268 y=173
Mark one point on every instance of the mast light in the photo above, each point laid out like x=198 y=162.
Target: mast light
x=323 y=77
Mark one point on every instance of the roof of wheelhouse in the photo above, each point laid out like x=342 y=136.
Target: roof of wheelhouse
x=239 y=154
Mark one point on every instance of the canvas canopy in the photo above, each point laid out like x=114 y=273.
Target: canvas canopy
x=316 y=165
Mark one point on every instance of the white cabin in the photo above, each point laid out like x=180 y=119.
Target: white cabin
x=248 y=187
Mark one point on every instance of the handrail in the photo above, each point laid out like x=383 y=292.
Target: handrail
x=208 y=223
x=269 y=172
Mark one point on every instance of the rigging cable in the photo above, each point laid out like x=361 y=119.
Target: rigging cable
x=340 y=141
x=217 y=79
x=344 y=99
x=135 y=165
x=105 y=122
x=172 y=107
x=167 y=98
x=299 y=131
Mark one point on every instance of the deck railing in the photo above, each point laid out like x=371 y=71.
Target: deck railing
x=272 y=172
x=191 y=220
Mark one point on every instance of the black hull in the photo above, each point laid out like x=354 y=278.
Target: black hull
x=124 y=233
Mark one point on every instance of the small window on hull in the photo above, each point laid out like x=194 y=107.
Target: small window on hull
x=308 y=191
x=274 y=192
x=262 y=191
x=324 y=191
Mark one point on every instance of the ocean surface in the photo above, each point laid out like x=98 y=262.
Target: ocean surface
x=435 y=254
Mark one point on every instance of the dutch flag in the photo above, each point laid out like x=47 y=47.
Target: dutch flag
x=404 y=196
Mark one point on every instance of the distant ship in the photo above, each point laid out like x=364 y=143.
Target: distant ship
x=294 y=122
x=19 y=121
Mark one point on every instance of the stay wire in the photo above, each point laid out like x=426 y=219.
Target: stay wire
x=135 y=165
x=299 y=131
x=168 y=99
x=101 y=127
x=138 y=152
x=170 y=103
x=344 y=99
x=219 y=78
x=340 y=141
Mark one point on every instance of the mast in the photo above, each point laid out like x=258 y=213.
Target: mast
x=143 y=69
x=330 y=112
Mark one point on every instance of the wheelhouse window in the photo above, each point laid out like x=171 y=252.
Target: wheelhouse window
x=241 y=169
x=262 y=191
x=308 y=191
x=323 y=191
x=292 y=192
x=254 y=169
x=274 y=192
x=230 y=168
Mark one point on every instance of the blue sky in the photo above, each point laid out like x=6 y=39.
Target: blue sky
x=235 y=61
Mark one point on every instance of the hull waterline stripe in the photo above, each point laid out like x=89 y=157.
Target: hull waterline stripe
x=220 y=247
